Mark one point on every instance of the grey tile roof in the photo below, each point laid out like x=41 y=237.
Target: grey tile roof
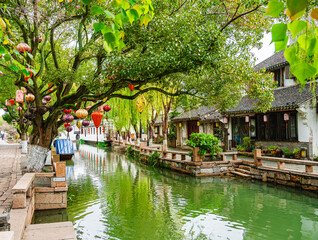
x=285 y=98
x=195 y=114
x=275 y=61
x=159 y=120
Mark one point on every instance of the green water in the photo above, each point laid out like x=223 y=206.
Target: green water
x=113 y=198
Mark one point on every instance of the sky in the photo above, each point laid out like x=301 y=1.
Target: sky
x=267 y=49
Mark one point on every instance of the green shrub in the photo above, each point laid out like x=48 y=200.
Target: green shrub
x=272 y=148
x=247 y=142
x=240 y=148
x=287 y=152
x=154 y=158
x=130 y=151
x=171 y=135
x=296 y=150
x=206 y=143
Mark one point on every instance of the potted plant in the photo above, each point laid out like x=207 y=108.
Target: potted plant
x=286 y=152
x=296 y=153
x=273 y=150
x=240 y=148
x=279 y=152
x=206 y=143
x=247 y=144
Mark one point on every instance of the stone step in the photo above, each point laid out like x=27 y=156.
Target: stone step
x=241 y=174
x=248 y=168
x=243 y=171
x=50 y=231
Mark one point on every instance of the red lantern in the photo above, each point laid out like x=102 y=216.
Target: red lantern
x=97 y=118
x=88 y=107
x=19 y=96
x=67 y=125
x=286 y=117
x=65 y=111
x=131 y=87
x=28 y=77
x=107 y=108
x=11 y=101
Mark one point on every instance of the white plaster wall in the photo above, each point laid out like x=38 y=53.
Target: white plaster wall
x=230 y=129
x=307 y=123
x=184 y=133
x=289 y=82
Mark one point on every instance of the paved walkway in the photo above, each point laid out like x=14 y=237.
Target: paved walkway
x=10 y=172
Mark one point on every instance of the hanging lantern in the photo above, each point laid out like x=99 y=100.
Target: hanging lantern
x=78 y=124
x=69 y=129
x=67 y=125
x=11 y=101
x=5 y=109
x=286 y=117
x=198 y=124
x=107 y=108
x=68 y=118
x=141 y=103
x=23 y=47
x=247 y=119
x=265 y=118
x=1 y=73
x=180 y=125
x=225 y=120
x=7 y=103
x=48 y=99
x=88 y=107
x=131 y=87
x=65 y=111
x=29 y=76
x=29 y=97
x=100 y=109
x=44 y=102
x=24 y=90
x=85 y=123
x=81 y=113
x=97 y=118
x=19 y=109
x=103 y=129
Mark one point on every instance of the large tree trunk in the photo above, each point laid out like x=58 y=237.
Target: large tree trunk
x=165 y=123
x=41 y=140
x=151 y=125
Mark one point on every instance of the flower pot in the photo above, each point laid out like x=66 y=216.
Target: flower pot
x=297 y=155
x=273 y=152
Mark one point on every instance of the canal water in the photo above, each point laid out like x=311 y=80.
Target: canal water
x=111 y=197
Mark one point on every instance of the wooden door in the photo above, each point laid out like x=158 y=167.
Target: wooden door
x=192 y=127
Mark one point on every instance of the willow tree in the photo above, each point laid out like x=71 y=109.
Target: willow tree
x=89 y=50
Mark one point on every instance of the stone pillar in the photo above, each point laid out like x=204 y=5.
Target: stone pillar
x=257 y=153
x=196 y=155
x=164 y=145
x=24 y=145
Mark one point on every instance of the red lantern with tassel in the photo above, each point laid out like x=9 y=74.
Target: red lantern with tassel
x=97 y=118
x=131 y=87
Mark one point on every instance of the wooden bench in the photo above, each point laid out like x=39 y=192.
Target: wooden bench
x=22 y=190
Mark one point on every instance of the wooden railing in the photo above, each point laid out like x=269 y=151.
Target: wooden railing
x=281 y=161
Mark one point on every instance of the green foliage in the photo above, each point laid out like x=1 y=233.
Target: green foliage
x=171 y=135
x=130 y=151
x=154 y=158
x=240 y=148
x=206 y=143
x=272 y=148
x=247 y=141
x=7 y=117
x=287 y=152
x=296 y=151
x=302 y=54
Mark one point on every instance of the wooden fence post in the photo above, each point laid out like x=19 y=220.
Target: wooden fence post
x=257 y=154
x=196 y=155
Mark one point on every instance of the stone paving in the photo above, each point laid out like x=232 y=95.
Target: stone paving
x=10 y=172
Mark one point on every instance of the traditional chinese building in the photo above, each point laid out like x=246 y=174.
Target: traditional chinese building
x=292 y=120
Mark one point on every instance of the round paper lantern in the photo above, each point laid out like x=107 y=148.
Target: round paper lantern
x=5 y=109
x=65 y=111
x=24 y=90
x=131 y=87
x=13 y=120
x=88 y=107
x=85 y=123
x=69 y=129
x=67 y=125
x=11 y=101
x=48 y=99
x=19 y=96
x=23 y=47
x=100 y=109
x=81 y=113
x=68 y=118
x=97 y=118
x=1 y=73
x=69 y=110
x=29 y=97
x=19 y=109
x=107 y=108
x=7 y=103
x=78 y=124
x=30 y=75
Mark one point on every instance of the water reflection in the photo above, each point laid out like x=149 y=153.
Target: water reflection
x=111 y=197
